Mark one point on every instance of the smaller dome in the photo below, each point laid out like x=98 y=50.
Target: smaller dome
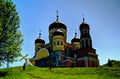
x=75 y=40
x=39 y=40
x=84 y=26
x=58 y=32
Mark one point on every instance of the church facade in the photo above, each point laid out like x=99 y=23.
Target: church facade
x=59 y=52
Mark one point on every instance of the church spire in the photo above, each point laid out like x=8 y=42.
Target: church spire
x=57 y=15
x=75 y=33
x=39 y=33
x=83 y=18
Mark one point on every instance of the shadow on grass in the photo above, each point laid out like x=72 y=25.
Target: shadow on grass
x=3 y=74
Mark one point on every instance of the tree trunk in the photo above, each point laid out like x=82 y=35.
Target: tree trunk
x=7 y=62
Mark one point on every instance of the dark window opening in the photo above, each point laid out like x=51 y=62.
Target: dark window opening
x=57 y=42
x=86 y=41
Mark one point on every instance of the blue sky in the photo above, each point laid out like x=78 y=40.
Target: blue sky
x=103 y=16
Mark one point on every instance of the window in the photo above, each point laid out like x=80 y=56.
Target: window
x=82 y=32
x=90 y=43
x=82 y=43
x=61 y=43
x=86 y=42
x=57 y=42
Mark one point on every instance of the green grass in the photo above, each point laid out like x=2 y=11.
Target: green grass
x=33 y=72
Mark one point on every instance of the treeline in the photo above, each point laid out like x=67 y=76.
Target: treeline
x=112 y=63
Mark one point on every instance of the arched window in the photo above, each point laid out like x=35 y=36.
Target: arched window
x=57 y=42
x=61 y=43
x=82 y=43
x=86 y=42
x=90 y=43
x=82 y=32
x=85 y=32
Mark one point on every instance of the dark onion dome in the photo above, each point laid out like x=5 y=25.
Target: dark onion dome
x=84 y=26
x=75 y=40
x=39 y=40
x=58 y=32
x=57 y=24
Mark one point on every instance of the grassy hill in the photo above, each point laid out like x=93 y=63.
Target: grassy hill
x=33 y=72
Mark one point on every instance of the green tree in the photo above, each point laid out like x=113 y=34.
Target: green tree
x=10 y=35
x=109 y=63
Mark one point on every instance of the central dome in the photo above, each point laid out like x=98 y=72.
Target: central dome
x=57 y=25
x=58 y=32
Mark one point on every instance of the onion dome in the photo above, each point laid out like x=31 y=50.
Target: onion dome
x=39 y=39
x=84 y=25
x=75 y=39
x=58 y=32
x=57 y=24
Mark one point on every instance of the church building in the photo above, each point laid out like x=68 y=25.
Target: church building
x=60 y=53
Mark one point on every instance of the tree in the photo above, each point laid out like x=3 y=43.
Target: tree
x=10 y=35
x=112 y=63
x=109 y=63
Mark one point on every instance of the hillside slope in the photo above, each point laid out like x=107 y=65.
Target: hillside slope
x=33 y=72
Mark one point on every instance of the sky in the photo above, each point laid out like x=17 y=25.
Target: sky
x=103 y=16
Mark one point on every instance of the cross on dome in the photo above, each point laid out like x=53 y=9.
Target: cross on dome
x=39 y=33
x=75 y=33
x=57 y=15
x=83 y=18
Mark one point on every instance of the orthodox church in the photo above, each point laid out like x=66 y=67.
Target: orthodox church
x=60 y=53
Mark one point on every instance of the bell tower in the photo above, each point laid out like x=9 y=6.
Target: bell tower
x=85 y=38
x=86 y=55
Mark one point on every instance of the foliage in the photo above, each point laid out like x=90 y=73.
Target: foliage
x=33 y=72
x=10 y=35
x=114 y=63
x=109 y=63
